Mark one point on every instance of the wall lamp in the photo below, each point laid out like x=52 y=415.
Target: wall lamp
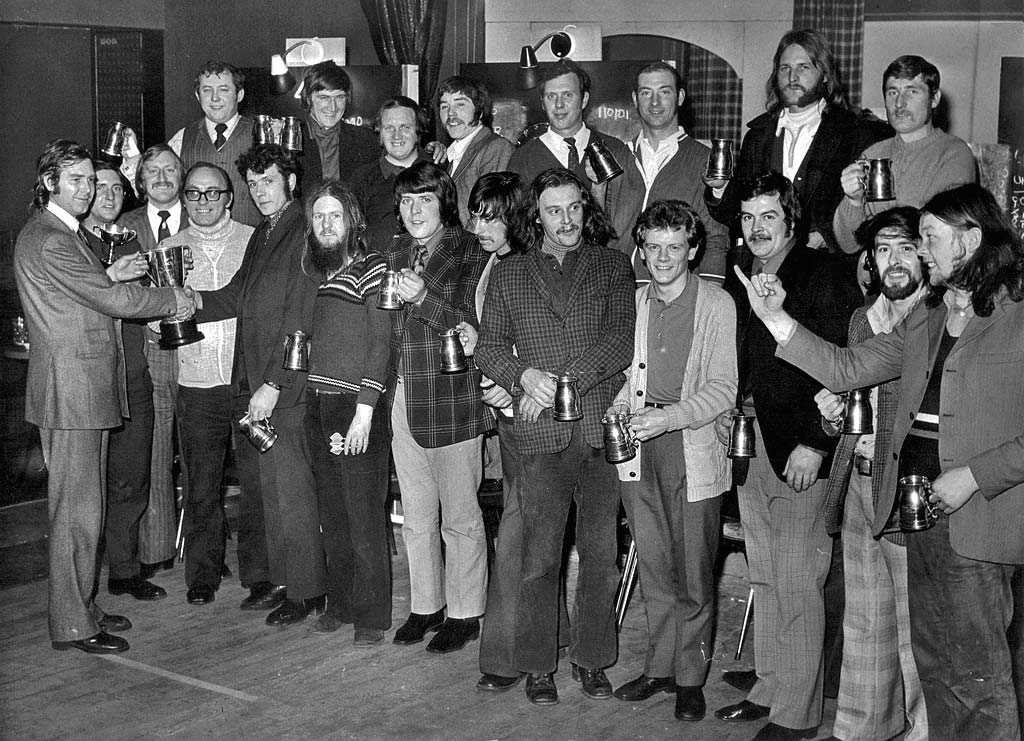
x=561 y=45
x=281 y=78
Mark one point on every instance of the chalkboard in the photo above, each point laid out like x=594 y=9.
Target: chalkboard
x=1017 y=196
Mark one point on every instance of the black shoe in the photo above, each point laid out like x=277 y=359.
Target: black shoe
x=690 y=703
x=201 y=595
x=742 y=711
x=541 y=690
x=774 y=732
x=264 y=596
x=744 y=681
x=295 y=610
x=417 y=626
x=595 y=684
x=101 y=643
x=326 y=623
x=491 y=486
x=149 y=570
x=454 y=634
x=137 y=587
x=644 y=687
x=497 y=683
x=367 y=637
x=115 y=624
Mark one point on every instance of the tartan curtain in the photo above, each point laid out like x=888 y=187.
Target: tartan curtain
x=409 y=32
x=842 y=23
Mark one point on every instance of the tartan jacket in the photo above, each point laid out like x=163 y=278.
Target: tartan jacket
x=443 y=408
x=593 y=340
x=887 y=401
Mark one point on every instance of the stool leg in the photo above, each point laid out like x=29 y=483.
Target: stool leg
x=626 y=584
x=747 y=614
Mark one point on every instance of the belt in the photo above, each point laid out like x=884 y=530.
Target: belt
x=658 y=405
x=325 y=392
x=862 y=464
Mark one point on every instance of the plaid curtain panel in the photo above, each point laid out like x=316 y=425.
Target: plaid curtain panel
x=842 y=23
x=715 y=93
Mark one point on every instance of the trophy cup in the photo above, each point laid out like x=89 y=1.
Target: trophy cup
x=114 y=236
x=114 y=142
x=167 y=269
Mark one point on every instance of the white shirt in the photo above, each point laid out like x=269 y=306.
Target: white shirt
x=556 y=143
x=459 y=147
x=652 y=161
x=153 y=216
x=68 y=220
x=799 y=129
x=175 y=141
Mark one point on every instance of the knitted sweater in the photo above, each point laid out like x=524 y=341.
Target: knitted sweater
x=920 y=169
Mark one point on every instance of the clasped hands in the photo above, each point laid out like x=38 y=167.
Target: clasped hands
x=185 y=303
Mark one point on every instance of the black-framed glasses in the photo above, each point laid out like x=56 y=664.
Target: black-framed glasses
x=209 y=195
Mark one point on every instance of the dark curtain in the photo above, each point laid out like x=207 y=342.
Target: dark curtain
x=842 y=23
x=409 y=32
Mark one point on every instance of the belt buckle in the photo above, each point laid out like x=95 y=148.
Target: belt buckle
x=863 y=465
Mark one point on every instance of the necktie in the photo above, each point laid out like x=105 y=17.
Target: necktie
x=574 y=157
x=419 y=260
x=163 y=231
x=220 y=141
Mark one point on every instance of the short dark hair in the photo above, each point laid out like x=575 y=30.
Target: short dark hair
x=658 y=66
x=597 y=229
x=323 y=76
x=773 y=184
x=58 y=155
x=549 y=72
x=210 y=166
x=820 y=53
x=903 y=219
x=151 y=154
x=216 y=67
x=483 y=109
x=261 y=157
x=500 y=196
x=426 y=177
x=401 y=101
x=671 y=214
x=100 y=165
x=910 y=66
x=354 y=244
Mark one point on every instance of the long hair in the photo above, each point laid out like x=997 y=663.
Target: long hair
x=597 y=229
x=483 y=110
x=671 y=214
x=58 y=155
x=998 y=263
x=353 y=244
x=426 y=177
x=149 y=155
x=904 y=221
x=323 y=76
x=817 y=48
x=501 y=196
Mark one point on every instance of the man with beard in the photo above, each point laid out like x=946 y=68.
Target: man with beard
x=782 y=499
x=924 y=160
x=346 y=424
x=218 y=245
x=807 y=133
x=873 y=703
x=564 y=307
x=464 y=106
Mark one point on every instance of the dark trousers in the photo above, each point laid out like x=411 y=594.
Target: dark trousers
x=351 y=492
x=204 y=428
x=252 y=534
x=548 y=485
x=128 y=472
x=960 y=612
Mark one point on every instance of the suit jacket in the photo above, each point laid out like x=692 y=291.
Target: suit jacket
x=981 y=420
x=76 y=363
x=840 y=139
x=272 y=297
x=487 y=152
x=357 y=145
x=442 y=408
x=821 y=292
x=592 y=339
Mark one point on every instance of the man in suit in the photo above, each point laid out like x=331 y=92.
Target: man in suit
x=464 y=106
x=959 y=423
x=151 y=530
x=566 y=307
x=75 y=391
x=807 y=133
x=783 y=498
x=437 y=419
x=272 y=297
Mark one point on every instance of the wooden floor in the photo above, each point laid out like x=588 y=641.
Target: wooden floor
x=215 y=672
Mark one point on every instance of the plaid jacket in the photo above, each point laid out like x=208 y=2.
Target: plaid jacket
x=842 y=462
x=443 y=408
x=593 y=340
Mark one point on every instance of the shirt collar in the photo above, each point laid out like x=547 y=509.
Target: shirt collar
x=799 y=120
x=459 y=146
x=154 y=211
x=67 y=219
x=555 y=141
x=211 y=127
x=668 y=141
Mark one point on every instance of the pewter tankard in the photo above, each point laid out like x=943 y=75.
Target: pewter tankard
x=567 y=400
x=387 y=294
x=619 y=444
x=916 y=512
x=296 y=352
x=857 y=415
x=604 y=163
x=720 y=160
x=741 y=436
x=453 y=358
x=879 y=182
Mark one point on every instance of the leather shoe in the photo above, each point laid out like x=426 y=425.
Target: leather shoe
x=743 y=710
x=774 y=732
x=644 y=687
x=366 y=637
x=295 y=611
x=264 y=596
x=137 y=587
x=101 y=643
x=743 y=680
x=541 y=690
x=149 y=570
x=497 y=683
x=326 y=623
x=690 y=703
x=417 y=626
x=201 y=595
x=115 y=623
x=454 y=634
x=595 y=684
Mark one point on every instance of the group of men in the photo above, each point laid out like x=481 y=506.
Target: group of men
x=611 y=293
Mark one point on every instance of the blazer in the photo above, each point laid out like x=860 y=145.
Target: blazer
x=981 y=420
x=272 y=297
x=592 y=340
x=821 y=292
x=442 y=408
x=76 y=362
x=487 y=152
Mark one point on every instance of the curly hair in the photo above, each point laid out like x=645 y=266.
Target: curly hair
x=262 y=156
x=597 y=229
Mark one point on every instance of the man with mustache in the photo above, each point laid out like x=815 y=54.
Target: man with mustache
x=924 y=160
x=807 y=133
x=782 y=499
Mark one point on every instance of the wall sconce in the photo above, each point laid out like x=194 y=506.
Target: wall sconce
x=561 y=45
x=281 y=79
